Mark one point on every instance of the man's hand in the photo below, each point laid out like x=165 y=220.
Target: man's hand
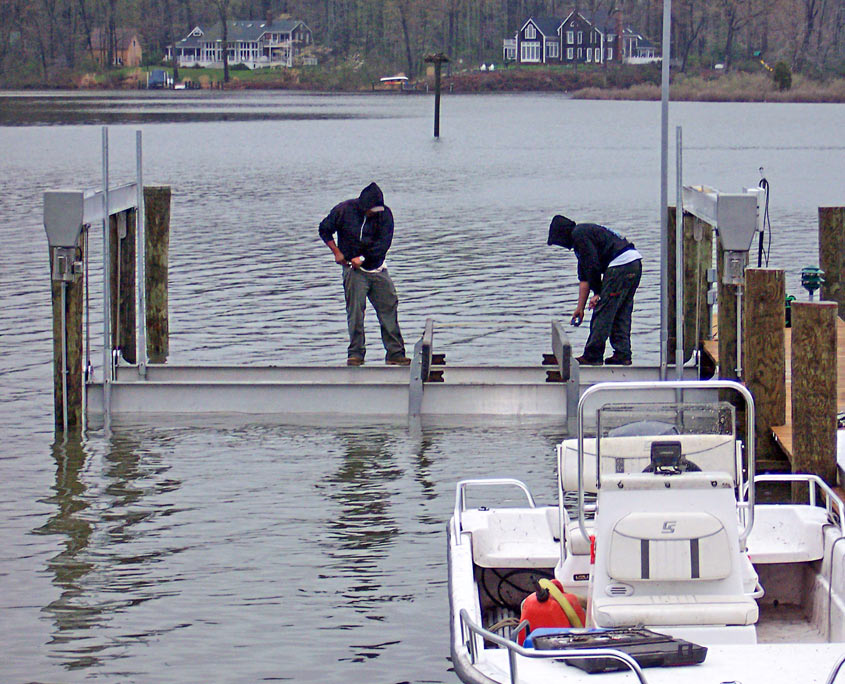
x=356 y=262
x=339 y=258
x=577 y=317
x=594 y=301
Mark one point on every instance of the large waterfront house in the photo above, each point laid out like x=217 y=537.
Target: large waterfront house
x=582 y=37
x=125 y=47
x=252 y=42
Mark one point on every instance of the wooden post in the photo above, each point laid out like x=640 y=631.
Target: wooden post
x=157 y=246
x=698 y=258
x=832 y=255
x=437 y=60
x=74 y=343
x=764 y=355
x=122 y=244
x=814 y=389
x=727 y=322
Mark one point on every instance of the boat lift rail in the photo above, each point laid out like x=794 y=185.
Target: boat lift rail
x=470 y=630
x=678 y=385
x=461 y=496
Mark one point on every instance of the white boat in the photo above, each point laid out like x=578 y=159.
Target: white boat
x=682 y=547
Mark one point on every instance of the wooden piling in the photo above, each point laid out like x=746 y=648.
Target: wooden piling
x=832 y=255
x=814 y=400
x=157 y=246
x=437 y=60
x=727 y=322
x=698 y=258
x=74 y=296
x=122 y=259
x=764 y=356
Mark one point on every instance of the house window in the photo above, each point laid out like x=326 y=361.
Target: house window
x=510 y=52
x=611 y=37
x=569 y=52
x=589 y=54
x=580 y=53
x=529 y=52
x=552 y=50
x=530 y=32
x=609 y=53
x=580 y=37
x=570 y=37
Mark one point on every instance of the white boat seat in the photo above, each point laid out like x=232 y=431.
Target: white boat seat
x=512 y=537
x=675 y=609
x=669 y=546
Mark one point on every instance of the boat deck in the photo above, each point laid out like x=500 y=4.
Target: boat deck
x=784 y=624
x=759 y=664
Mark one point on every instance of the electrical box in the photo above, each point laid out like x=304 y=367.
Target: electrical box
x=63 y=211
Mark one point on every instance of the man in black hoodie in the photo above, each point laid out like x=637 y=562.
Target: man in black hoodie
x=611 y=267
x=364 y=228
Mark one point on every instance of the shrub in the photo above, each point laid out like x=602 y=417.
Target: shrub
x=782 y=76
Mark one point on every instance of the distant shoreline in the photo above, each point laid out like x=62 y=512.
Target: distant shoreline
x=584 y=83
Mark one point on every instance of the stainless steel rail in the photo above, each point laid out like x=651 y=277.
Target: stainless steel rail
x=470 y=629
x=668 y=384
x=835 y=671
x=461 y=502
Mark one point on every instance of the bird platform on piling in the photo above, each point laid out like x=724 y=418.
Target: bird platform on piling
x=437 y=59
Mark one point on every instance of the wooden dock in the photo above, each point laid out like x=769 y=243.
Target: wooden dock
x=783 y=433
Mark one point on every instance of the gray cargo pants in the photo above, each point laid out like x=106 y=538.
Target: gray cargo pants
x=359 y=286
x=612 y=315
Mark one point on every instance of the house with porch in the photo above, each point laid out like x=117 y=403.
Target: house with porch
x=581 y=37
x=254 y=43
x=125 y=44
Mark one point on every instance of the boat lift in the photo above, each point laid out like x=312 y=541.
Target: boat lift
x=426 y=389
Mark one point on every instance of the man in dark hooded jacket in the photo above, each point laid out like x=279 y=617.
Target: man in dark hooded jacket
x=364 y=228
x=611 y=267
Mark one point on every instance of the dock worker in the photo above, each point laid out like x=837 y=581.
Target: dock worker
x=364 y=228
x=610 y=267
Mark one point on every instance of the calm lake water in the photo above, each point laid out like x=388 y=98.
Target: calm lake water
x=242 y=550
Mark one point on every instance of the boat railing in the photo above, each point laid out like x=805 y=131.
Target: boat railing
x=835 y=671
x=816 y=485
x=656 y=385
x=470 y=631
x=461 y=496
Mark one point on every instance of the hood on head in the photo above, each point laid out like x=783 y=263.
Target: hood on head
x=560 y=231
x=371 y=198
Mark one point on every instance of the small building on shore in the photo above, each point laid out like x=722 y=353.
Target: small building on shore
x=125 y=46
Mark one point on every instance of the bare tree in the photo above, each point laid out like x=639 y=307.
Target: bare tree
x=223 y=11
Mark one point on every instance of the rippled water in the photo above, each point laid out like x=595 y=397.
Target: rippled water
x=241 y=550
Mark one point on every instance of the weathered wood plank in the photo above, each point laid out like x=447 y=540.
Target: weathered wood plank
x=814 y=391
x=157 y=244
x=832 y=255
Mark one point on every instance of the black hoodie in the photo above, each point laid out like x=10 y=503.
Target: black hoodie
x=358 y=234
x=594 y=245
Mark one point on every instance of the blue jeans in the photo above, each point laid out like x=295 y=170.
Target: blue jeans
x=612 y=315
x=358 y=287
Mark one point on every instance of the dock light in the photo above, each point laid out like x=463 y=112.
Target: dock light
x=63 y=217
x=812 y=278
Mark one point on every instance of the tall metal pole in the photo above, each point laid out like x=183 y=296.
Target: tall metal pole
x=664 y=190
x=679 y=256
x=106 y=282
x=140 y=254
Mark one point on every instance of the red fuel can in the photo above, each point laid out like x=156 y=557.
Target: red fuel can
x=543 y=609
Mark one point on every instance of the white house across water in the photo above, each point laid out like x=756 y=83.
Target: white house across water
x=253 y=42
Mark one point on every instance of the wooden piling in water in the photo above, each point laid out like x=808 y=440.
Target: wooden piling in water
x=122 y=260
x=698 y=258
x=764 y=356
x=832 y=255
x=814 y=400
x=437 y=60
x=157 y=248
x=74 y=296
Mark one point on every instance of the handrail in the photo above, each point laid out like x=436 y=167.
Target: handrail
x=831 y=497
x=514 y=649
x=659 y=385
x=835 y=671
x=461 y=502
